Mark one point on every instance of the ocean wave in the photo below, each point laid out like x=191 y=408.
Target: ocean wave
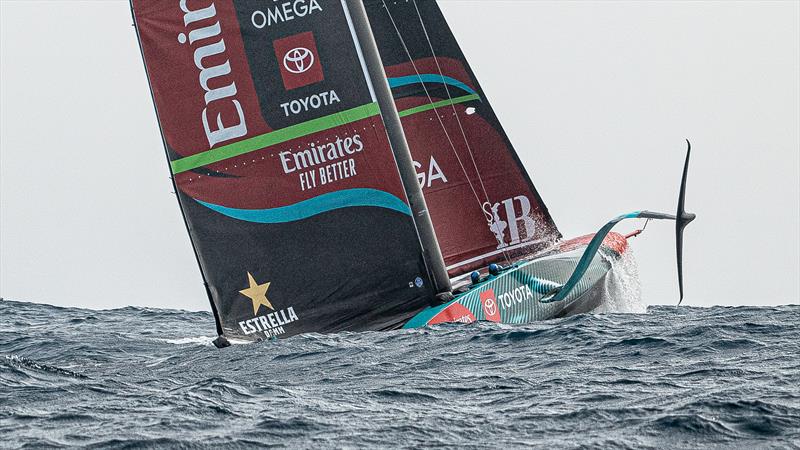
x=27 y=365
x=198 y=340
x=671 y=377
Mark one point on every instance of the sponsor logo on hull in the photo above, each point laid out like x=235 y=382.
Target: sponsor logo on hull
x=490 y=307
x=453 y=313
x=518 y=295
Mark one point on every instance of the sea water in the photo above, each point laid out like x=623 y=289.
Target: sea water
x=661 y=377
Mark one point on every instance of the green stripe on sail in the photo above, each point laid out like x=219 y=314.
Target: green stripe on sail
x=440 y=104
x=274 y=138
x=296 y=131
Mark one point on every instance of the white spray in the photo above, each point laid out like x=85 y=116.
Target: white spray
x=623 y=291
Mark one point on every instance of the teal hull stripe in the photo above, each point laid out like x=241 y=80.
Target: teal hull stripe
x=429 y=78
x=588 y=271
x=588 y=255
x=536 y=284
x=423 y=318
x=428 y=314
x=318 y=205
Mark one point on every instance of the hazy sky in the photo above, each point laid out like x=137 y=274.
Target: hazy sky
x=596 y=96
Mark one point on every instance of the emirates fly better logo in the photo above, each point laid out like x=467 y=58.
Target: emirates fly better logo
x=298 y=60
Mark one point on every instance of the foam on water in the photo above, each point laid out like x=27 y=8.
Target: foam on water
x=622 y=289
x=199 y=340
x=672 y=378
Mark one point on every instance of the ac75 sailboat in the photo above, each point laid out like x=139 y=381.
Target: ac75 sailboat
x=339 y=167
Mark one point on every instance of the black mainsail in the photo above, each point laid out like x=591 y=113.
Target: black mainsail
x=282 y=165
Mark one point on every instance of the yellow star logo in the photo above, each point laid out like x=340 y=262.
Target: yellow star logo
x=257 y=293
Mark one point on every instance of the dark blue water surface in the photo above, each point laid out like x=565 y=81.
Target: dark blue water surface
x=674 y=378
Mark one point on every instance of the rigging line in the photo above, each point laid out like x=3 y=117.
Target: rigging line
x=449 y=96
x=490 y=219
x=427 y=94
x=482 y=205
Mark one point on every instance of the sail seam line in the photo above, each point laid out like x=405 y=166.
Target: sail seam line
x=430 y=100
x=493 y=253
x=449 y=96
x=428 y=107
x=460 y=126
x=193 y=162
x=274 y=137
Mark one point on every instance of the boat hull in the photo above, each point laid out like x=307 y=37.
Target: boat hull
x=515 y=295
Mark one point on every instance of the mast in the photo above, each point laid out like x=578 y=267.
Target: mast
x=394 y=128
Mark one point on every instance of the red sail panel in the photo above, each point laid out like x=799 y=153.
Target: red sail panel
x=481 y=199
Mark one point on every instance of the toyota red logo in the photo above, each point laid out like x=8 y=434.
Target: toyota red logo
x=298 y=60
x=490 y=306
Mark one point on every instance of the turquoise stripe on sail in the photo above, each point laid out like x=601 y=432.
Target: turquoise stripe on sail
x=308 y=208
x=429 y=78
